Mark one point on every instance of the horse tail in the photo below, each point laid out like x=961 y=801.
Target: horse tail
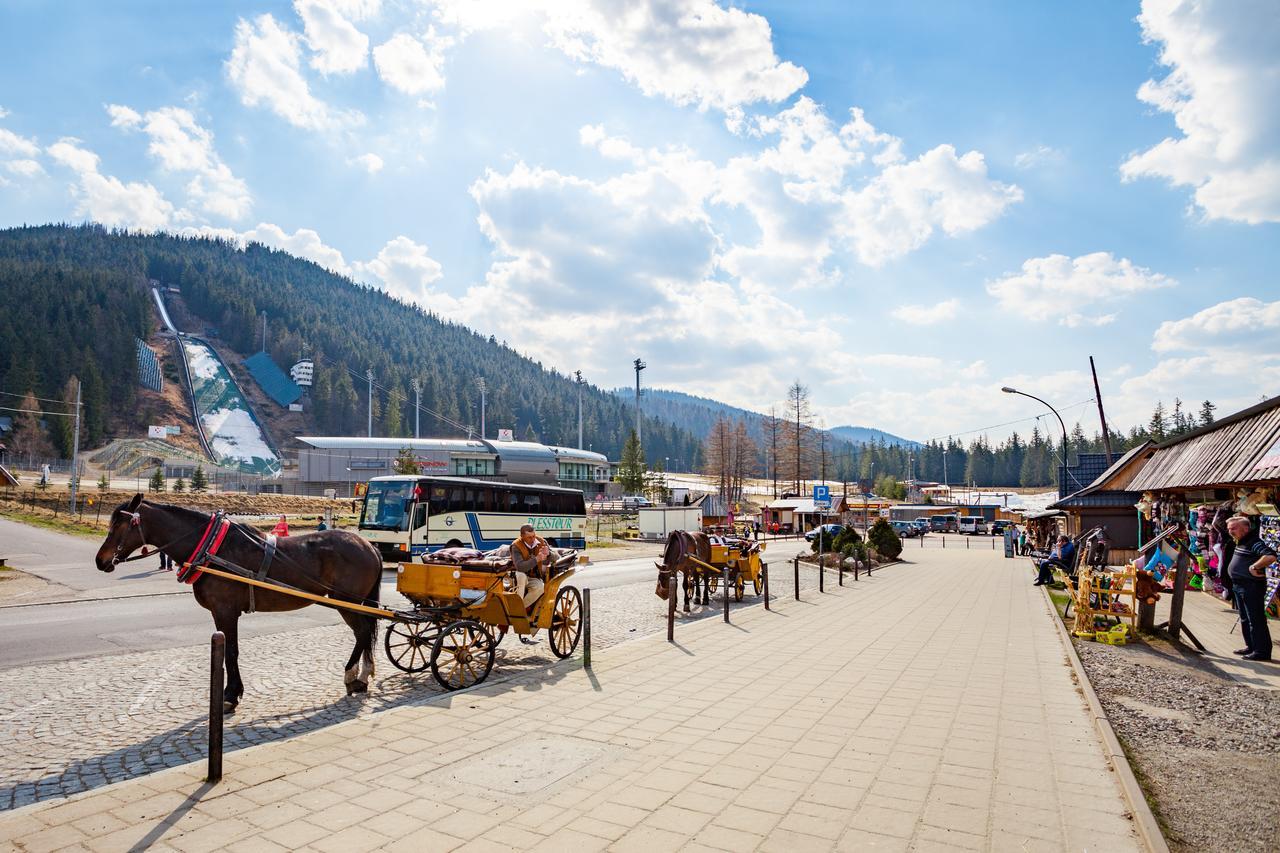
x=372 y=599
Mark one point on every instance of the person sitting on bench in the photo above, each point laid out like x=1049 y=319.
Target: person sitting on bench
x=1063 y=556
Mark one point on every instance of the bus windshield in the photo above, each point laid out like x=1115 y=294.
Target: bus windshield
x=385 y=505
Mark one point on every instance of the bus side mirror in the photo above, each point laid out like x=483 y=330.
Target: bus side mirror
x=408 y=505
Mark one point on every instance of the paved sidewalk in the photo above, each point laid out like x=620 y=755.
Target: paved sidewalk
x=929 y=707
x=1216 y=625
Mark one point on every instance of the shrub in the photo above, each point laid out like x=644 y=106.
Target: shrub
x=844 y=539
x=884 y=539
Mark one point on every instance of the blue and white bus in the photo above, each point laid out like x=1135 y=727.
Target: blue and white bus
x=406 y=516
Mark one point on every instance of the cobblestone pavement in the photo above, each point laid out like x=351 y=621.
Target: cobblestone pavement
x=70 y=726
x=928 y=708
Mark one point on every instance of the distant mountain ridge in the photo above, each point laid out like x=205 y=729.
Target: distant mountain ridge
x=871 y=435
x=699 y=414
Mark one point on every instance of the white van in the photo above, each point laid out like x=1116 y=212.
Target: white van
x=973 y=525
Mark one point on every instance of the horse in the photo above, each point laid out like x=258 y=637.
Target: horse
x=333 y=563
x=681 y=545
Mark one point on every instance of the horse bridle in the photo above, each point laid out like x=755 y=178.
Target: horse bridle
x=135 y=520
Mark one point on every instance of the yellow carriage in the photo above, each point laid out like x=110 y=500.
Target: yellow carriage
x=743 y=558
x=461 y=612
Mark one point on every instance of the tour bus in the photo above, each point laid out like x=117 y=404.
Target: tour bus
x=407 y=516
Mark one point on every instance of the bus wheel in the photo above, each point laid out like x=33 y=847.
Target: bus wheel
x=453 y=543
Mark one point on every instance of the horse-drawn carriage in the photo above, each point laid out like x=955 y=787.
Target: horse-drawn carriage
x=702 y=560
x=463 y=609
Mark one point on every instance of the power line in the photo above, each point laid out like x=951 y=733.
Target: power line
x=1007 y=423
x=41 y=399
x=38 y=412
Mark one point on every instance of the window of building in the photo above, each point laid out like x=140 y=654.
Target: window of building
x=473 y=467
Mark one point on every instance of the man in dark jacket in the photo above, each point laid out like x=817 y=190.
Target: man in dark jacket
x=1063 y=556
x=1248 y=572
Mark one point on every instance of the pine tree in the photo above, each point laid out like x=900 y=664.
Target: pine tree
x=1158 y=426
x=1206 y=413
x=103 y=483
x=631 y=466
x=406 y=462
x=180 y=486
x=198 y=481
x=156 y=483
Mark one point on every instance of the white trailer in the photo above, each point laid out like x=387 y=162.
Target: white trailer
x=658 y=521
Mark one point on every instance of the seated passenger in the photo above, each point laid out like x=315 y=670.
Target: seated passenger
x=530 y=556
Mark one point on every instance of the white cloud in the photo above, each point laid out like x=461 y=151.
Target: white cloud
x=304 y=242
x=1041 y=155
x=3 y=112
x=927 y=315
x=108 y=200
x=1222 y=89
x=1058 y=287
x=1245 y=323
x=264 y=67
x=25 y=168
x=899 y=210
x=338 y=47
x=412 y=65
x=180 y=144
x=405 y=270
x=370 y=162
x=692 y=52
x=13 y=145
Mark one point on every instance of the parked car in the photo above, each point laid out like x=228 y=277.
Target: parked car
x=905 y=529
x=974 y=525
x=921 y=524
x=829 y=531
x=944 y=523
x=634 y=501
x=999 y=526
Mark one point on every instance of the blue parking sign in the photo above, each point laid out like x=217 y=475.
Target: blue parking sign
x=822 y=495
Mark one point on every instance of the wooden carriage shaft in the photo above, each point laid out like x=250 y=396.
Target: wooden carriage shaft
x=297 y=593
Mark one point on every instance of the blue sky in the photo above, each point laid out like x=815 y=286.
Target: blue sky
x=904 y=205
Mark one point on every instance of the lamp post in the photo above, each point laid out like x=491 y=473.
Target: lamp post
x=1066 y=472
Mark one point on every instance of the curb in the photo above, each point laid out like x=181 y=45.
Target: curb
x=1144 y=821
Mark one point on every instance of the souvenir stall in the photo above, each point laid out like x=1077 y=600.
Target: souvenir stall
x=1042 y=529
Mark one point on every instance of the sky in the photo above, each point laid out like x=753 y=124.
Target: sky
x=905 y=206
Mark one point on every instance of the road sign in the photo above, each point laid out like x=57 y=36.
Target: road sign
x=822 y=496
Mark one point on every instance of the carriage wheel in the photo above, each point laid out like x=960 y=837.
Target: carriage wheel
x=713 y=583
x=462 y=655
x=739 y=586
x=409 y=644
x=566 y=622
x=757 y=582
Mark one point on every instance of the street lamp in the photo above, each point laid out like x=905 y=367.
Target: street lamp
x=1006 y=389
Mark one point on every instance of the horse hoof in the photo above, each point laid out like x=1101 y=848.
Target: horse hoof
x=228 y=707
x=357 y=687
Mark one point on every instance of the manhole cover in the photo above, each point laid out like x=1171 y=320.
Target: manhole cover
x=525 y=767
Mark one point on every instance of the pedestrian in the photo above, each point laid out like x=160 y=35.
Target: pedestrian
x=1248 y=573
x=321 y=526
x=281 y=528
x=1022 y=543
x=166 y=564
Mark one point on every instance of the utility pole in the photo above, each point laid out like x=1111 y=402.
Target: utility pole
x=1102 y=416
x=75 y=452
x=945 y=482
x=417 y=405
x=577 y=374
x=264 y=331
x=639 y=366
x=368 y=374
x=480 y=383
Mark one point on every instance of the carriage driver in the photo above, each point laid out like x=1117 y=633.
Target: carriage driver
x=530 y=556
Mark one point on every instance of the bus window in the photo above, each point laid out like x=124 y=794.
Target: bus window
x=457 y=501
x=578 y=504
x=512 y=502
x=484 y=500
x=532 y=503
x=420 y=516
x=439 y=500
x=469 y=501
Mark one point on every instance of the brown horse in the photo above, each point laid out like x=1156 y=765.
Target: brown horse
x=681 y=545
x=333 y=563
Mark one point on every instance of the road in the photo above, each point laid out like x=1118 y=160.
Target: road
x=148 y=610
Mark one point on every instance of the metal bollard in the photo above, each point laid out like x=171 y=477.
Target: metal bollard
x=966 y=544
x=586 y=627
x=944 y=542
x=822 y=574
x=764 y=570
x=217 y=655
x=725 y=581
x=840 y=572
x=672 y=594
x=795 y=565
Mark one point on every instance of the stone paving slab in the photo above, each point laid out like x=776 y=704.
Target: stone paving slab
x=930 y=707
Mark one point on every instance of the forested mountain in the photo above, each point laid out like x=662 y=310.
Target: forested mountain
x=870 y=435
x=689 y=412
x=75 y=298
